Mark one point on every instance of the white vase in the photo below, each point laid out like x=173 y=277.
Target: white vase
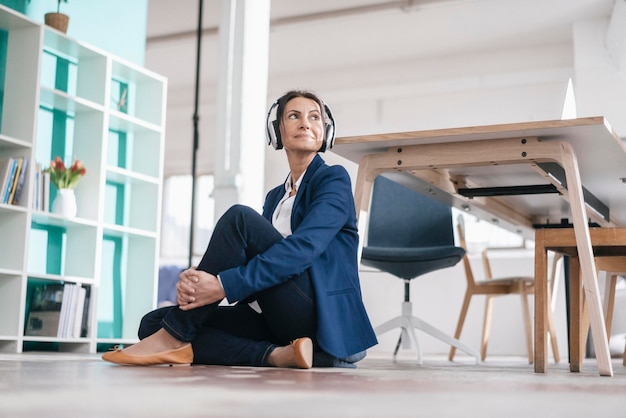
x=65 y=203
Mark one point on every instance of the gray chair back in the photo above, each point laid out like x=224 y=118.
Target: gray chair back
x=401 y=217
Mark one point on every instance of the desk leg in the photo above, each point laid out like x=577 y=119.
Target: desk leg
x=586 y=259
x=575 y=314
x=541 y=303
x=362 y=196
x=363 y=187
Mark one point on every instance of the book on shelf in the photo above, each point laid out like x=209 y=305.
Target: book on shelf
x=36 y=189
x=65 y=306
x=13 y=173
x=5 y=171
x=72 y=311
x=7 y=182
x=41 y=189
x=16 y=175
x=45 y=191
x=84 y=324
x=77 y=325
x=20 y=182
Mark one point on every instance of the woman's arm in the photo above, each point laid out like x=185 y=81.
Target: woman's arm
x=318 y=217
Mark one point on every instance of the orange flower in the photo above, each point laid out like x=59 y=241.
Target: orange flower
x=63 y=178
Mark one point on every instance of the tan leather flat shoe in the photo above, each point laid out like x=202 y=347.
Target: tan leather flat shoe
x=298 y=354
x=182 y=355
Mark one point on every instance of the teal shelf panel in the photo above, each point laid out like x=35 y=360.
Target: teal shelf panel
x=4 y=41
x=110 y=294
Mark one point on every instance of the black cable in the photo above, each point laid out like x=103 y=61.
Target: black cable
x=196 y=119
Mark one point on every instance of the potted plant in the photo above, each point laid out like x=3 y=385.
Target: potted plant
x=58 y=20
x=65 y=180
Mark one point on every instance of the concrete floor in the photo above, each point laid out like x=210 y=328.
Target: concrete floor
x=73 y=385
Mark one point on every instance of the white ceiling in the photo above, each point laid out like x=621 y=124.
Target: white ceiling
x=331 y=46
x=328 y=34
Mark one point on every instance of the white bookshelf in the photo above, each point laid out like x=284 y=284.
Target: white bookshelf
x=111 y=115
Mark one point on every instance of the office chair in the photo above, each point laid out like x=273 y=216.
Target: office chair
x=498 y=286
x=409 y=235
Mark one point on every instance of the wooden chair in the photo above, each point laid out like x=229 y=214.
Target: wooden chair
x=613 y=266
x=492 y=287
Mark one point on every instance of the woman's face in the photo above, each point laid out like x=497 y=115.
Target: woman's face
x=302 y=128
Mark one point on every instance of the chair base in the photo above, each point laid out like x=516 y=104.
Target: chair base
x=408 y=323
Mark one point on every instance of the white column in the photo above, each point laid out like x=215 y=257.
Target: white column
x=600 y=82
x=241 y=102
x=616 y=36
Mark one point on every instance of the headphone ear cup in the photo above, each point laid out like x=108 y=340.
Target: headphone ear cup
x=272 y=132
x=329 y=132
x=329 y=139
x=277 y=143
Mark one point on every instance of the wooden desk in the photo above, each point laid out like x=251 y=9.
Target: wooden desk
x=496 y=159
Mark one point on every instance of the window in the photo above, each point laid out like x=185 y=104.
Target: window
x=176 y=219
x=481 y=234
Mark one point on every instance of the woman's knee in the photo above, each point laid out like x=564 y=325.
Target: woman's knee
x=237 y=211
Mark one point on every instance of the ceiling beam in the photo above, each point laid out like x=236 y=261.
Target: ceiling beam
x=404 y=5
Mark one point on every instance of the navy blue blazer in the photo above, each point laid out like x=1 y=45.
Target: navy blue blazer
x=325 y=241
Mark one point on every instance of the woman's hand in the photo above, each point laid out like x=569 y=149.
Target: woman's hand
x=197 y=288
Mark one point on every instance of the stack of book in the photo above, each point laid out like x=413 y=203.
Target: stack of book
x=41 y=189
x=58 y=310
x=13 y=173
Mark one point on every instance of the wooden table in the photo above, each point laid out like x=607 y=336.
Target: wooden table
x=516 y=175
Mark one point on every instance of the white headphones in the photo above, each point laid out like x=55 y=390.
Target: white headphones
x=273 y=130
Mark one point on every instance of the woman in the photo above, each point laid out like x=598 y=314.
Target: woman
x=292 y=271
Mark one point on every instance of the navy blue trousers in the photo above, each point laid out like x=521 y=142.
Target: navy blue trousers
x=236 y=334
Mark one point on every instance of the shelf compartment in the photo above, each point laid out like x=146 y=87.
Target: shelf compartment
x=127 y=286
x=56 y=246
x=10 y=286
x=136 y=149
x=72 y=138
x=85 y=72
x=11 y=149
x=132 y=200
x=45 y=303
x=144 y=95
x=13 y=223
x=18 y=118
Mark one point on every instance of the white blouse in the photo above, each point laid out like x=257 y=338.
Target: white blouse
x=281 y=218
